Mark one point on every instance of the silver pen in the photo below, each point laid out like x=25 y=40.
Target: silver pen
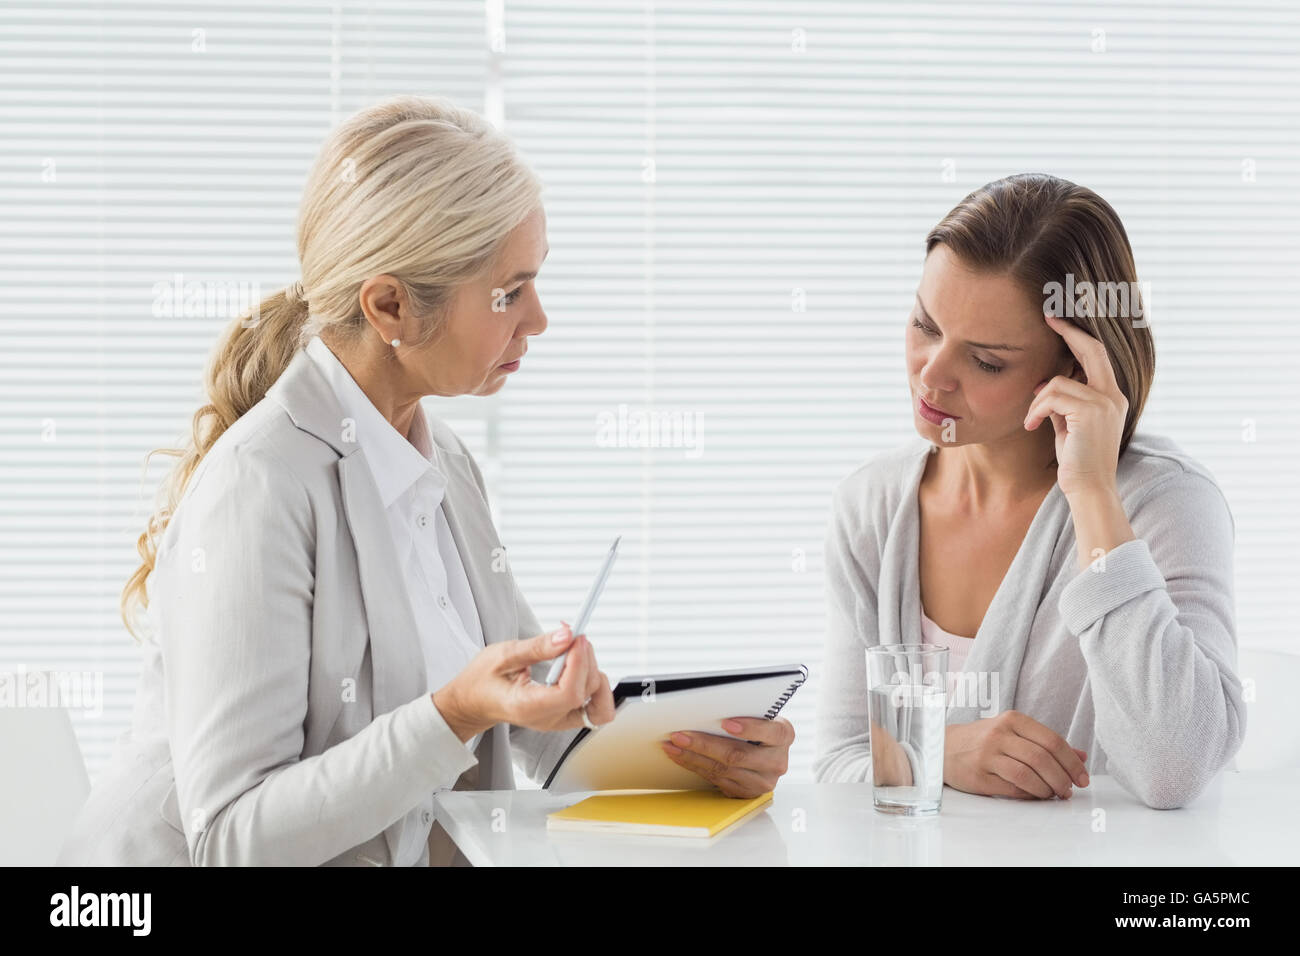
x=588 y=607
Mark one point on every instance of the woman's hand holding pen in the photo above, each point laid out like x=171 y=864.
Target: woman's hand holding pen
x=737 y=767
x=497 y=687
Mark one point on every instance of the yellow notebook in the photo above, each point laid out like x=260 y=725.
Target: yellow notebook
x=695 y=813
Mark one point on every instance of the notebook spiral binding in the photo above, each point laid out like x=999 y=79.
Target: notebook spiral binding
x=781 y=701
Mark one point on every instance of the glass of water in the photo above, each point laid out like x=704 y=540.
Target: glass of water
x=908 y=709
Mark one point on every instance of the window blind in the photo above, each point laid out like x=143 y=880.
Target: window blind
x=738 y=195
x=145 y=145
x=737 y=198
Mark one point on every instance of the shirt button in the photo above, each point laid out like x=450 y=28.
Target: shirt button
x=427 y=816
x=422 y=521
x=442 y=601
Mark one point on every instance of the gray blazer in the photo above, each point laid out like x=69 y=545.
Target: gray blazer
x=283 y=715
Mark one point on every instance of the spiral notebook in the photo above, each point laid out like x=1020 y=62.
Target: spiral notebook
x=625 y=753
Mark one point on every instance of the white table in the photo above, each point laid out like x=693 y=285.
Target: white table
x=1241 y=819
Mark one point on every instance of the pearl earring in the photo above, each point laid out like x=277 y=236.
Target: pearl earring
x=396 y=342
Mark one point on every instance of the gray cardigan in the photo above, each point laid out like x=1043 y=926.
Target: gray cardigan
x=1133 y=659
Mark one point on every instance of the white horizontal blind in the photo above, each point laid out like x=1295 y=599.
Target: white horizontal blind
x=738 y=195
x=140 y=141
x=750 y=287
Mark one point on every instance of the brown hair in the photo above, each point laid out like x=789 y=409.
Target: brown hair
x=1054 y=237
x=413 y=186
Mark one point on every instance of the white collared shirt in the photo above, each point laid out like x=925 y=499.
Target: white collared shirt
x=411 y=488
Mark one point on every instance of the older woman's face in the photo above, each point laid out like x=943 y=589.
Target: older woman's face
x=488 y=321
x=976 y=347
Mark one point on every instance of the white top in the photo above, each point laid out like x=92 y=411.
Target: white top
x=411 y=488
x=958 y=647
x=1132 y=659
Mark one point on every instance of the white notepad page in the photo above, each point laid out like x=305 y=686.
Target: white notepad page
x=625 y=754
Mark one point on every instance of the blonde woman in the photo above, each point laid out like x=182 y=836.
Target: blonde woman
x=1080 y=572
x=335 y=635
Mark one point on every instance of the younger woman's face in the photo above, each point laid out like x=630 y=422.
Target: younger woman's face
x=976 y=347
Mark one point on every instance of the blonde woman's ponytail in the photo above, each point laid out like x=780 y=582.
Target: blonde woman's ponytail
x=253 y=351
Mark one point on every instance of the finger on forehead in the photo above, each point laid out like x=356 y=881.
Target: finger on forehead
x=1090 y=352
